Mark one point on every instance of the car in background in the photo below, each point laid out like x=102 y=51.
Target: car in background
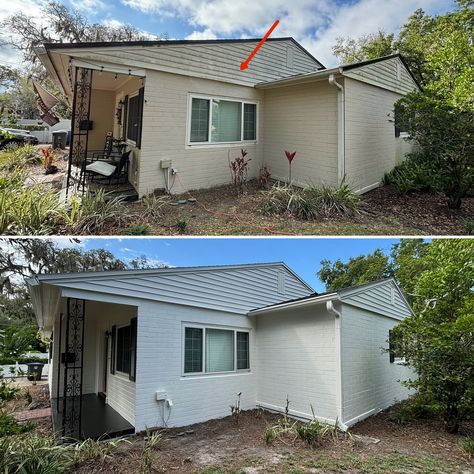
x=13 y=138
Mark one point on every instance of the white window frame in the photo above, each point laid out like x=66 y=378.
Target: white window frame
x=119 y=372
x=208 y=143
x=203 y=373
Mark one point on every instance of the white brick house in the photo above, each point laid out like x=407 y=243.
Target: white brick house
x=138 y=349
x=184 y=109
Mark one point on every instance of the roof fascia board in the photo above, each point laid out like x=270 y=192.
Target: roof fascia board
x=64 y=277
x=294 y=304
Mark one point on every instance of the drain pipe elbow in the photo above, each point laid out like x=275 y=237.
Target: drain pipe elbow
x=331 y=309
x=341 y=122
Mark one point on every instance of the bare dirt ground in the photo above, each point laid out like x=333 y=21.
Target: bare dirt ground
x=219 y=211
x=225 y=447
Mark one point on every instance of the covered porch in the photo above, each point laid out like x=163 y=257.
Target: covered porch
x=93 y=361
x=98 y=419
x=107 y=109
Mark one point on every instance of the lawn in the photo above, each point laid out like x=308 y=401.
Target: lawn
x=226 y=446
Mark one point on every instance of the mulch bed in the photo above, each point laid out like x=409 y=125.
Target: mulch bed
x=429 y=213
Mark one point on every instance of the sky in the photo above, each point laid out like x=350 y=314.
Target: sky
x=303 y=255
x=314 y=23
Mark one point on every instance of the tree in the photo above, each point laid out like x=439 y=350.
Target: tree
x=357 y=271
x=370 y=46
x=440 y=118
x=61 y=24
x=15 y=341
x=438 y=341
x=21 y=258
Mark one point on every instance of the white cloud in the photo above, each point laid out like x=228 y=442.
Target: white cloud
x=202 y=35
x=89 y=6
x=315 y=23
x=9 y=56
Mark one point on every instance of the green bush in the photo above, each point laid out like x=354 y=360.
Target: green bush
x=95 y=211
x=468 y=446
x=312 y=432
x=312 y=201
x=140 y=229
x=35 y=454
x=8 y=389
x=416 y=173
x=415 y=408
x=16 y=158
x=28 y=210
x=9 y=426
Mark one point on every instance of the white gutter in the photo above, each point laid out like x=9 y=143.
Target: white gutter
x=294 y=304
x=341 y=158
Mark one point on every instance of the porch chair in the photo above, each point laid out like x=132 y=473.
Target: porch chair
x=107 y=170
x=108 y=153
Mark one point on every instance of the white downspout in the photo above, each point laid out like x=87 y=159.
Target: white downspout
x=341 y=157
x=338 y=356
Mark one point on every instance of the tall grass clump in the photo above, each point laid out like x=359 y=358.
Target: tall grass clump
x=15 y=158
x=468 y=446
x=153 y=206
x=95 y=211
x=312 y=201
x=34 y=454
x=27 y=210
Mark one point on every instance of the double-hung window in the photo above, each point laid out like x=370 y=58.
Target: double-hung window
x=213 y=350
x=123 y=354
x=214 y=120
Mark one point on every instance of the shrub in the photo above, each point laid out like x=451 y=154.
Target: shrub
x=415 y=408
x=8 y=389
x=20 y=360
x=28 y=210
x=334 y=201
x=140 y=229
x=312 y=201
x=311 y=432
x=9 y=426
x=153 y=206
x=35 y=454
x=416 y=173
x=181 y=226
x=95 y=211
x=239 y=171
x=264 y=176
x=270 y=434
x=468 y=446
x=95 y=449
x=469 y=223
x=15 y=158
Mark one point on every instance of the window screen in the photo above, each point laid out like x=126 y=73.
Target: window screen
x=123 y=350
x=193 y=350
x=199 y=120
x=250 y=121
x=226 y=121
x=219 y=350
x=243 y=350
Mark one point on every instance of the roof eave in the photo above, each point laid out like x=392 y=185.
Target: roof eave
x=294 y=304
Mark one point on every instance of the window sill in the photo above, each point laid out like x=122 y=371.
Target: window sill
x=122 y=376
x=190 y=146
x=215 y=374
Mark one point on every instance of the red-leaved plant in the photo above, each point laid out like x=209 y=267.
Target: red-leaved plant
x=239 y=171
x=48 y=158
x=290 y=157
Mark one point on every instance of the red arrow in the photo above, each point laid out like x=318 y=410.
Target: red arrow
x=245 y=64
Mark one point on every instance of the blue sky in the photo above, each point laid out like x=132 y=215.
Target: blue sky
x=314 y=23
x=302 y=255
